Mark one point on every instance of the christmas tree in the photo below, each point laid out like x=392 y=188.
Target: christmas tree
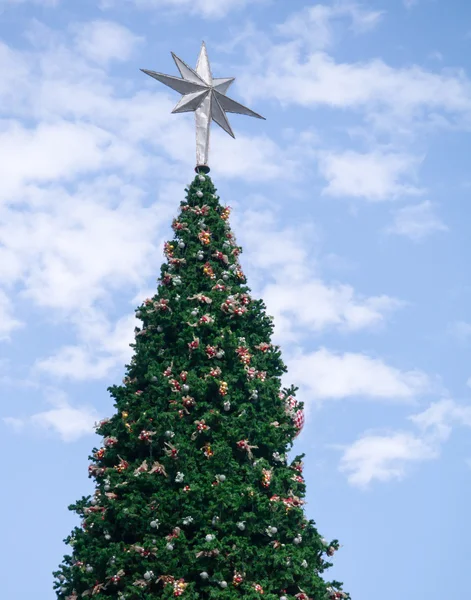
x=195 y=495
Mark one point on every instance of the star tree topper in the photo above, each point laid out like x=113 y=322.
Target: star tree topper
x=204 y=95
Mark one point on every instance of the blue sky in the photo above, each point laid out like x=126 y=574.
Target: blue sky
x=351 y=203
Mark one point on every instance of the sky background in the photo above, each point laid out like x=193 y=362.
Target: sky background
x=352 y=204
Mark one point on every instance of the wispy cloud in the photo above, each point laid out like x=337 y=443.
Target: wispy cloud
x=461 y=330
x=283 y=265
x=69 y=422
x=438 y=419
x=50 y=3
x=385 y=457
x=315 y=24
x=102 y=347
x=387 y=98
x=416 y=221
x=103 y=41
x=212 y=9
x=8 y=322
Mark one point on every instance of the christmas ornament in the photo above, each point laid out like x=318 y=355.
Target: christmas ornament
x=204 y=237
x=179 y=587
x=175 y=533
x=207 y=450
x=266 y=477
x=238 y=578
x=208 y=271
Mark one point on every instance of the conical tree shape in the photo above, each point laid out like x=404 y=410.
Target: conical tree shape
x=194 y=495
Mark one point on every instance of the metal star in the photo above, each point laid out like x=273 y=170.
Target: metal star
x=204 y=95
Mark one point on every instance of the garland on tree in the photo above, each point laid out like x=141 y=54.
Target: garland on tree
x=194 y=494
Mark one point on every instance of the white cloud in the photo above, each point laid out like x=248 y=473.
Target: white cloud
x=391 y=97
x=374 y=176
x=102 y=347
x=383 y=457
x=325 y=375
x=72 y=249
x=416 y=221
x=103 y=41
x=60 y=151
x=8 y=322
x=68 y=422
x=259 y=157
x=314 y=24
x=284 y=267
x=314 y=305
x=77 y=363
x=204 y=8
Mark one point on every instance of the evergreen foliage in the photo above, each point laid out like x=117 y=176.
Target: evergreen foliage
x=194 y=493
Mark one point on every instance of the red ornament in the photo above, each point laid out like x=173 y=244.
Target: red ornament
x=168 y=249
x=176 y=387
x=194 y=344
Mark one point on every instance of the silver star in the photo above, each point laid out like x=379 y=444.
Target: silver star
x=204 y=95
